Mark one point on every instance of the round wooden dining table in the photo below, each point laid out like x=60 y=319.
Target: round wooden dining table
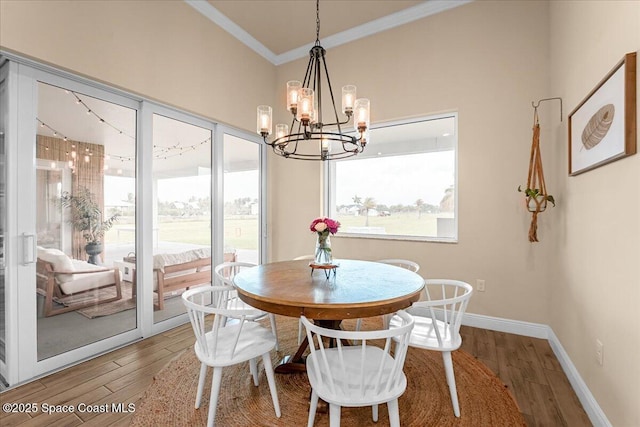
x=354 y=289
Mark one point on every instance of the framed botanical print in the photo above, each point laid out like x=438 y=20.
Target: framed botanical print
x=603 y=128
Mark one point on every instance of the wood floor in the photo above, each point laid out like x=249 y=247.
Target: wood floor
x=526 y=365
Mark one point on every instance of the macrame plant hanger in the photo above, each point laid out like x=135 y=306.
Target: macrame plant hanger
x=535 y=179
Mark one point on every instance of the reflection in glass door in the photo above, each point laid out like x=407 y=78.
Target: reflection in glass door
x=242 y=202
x=85 y=194
x=182 y=212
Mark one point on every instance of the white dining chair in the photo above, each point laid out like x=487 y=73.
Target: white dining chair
x=367 y=373
x=224 y=344
x=404 y=263
x=437 y=323
x=224 y=274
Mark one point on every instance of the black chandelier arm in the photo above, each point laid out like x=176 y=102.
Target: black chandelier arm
x=333 y=101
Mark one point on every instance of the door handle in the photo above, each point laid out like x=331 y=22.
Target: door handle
x=28 y=248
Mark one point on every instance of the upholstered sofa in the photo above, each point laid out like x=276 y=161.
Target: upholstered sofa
x=58 y=276
x=180 y=271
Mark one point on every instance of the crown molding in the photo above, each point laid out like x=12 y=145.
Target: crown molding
x=428 y=8
x=232 y=28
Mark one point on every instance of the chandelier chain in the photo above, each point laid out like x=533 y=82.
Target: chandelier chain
x=317 y=22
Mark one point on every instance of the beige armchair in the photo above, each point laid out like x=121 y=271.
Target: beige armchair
x=60 y=276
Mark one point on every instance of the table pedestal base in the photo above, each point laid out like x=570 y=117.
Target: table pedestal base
x=296 y=363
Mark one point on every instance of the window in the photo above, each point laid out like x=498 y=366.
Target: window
x=403 y=186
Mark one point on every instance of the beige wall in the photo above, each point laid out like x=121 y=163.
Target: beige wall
x=596 y=291
x=487 y=61
x=164 y=50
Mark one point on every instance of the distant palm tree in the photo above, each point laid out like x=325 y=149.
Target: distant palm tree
x=369 y=203
x=357 y=200
x=419 y=205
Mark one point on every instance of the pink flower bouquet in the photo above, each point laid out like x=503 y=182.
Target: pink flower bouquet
x=320 y=225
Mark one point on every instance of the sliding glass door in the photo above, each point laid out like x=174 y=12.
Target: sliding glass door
x=114 y=206
x=181 y=184
x=242 y=189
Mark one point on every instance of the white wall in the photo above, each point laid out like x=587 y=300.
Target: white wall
x=595 y=293
x=488 y=61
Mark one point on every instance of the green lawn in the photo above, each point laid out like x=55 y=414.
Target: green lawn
x=400 y=223
x=240 y=233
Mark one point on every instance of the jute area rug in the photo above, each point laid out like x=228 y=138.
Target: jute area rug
x=169 y=401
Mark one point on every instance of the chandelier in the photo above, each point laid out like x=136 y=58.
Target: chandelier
x=304 y=102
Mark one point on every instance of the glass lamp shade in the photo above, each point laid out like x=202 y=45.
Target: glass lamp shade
x=306 y=105
x=348 y=98
x=361 y=116
x=263 y=126
x=293 y=94
x=281 y=130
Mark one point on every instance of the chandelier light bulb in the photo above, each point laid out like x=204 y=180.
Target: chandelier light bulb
x=293 y=93
x=348 y=98
x=264 y=120
x=281 y=130
x=361 y=122
x=305 y=106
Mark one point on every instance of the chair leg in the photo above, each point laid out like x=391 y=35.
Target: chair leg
x=272 y=320
x=203 y=374
x=451 y=381
x=394 y=413
x=253 y=367
x=334 y=415
x=215 y=392
x=312 y=408
x=374 y=413
x=268 y=369
x=299 y=331
x=358 y=324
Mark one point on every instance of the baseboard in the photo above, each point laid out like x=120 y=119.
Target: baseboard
x=538 y=330
x=589 y=403
x=527 y=329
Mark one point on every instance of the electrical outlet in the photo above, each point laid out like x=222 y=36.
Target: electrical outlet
x=599 y=352
x=480 y=285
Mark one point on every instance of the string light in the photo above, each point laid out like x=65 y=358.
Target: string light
x=100 y=119
x=160 y=152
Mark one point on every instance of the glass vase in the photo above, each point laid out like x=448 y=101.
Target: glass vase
x=323 y=249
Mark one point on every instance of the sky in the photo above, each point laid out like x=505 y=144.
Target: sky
x=236 y=185
x=430 y=174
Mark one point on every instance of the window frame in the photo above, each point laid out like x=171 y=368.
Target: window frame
x=329 y=185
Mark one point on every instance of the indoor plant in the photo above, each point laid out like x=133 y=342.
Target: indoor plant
x=86 y=217
x=534 y=198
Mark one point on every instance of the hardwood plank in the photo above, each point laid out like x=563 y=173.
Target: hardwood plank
x=546 y=355
x=18 y=394
x=543 y=406
x=45 y=419
x=126 y=395
x=567 y=400
x=78 y=373
x=149 y=370
x=14 y=419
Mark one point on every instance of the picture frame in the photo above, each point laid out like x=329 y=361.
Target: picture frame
x=603 y=128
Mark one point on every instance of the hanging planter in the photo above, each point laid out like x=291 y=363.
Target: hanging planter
x=537 y=202
x=536 y=190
